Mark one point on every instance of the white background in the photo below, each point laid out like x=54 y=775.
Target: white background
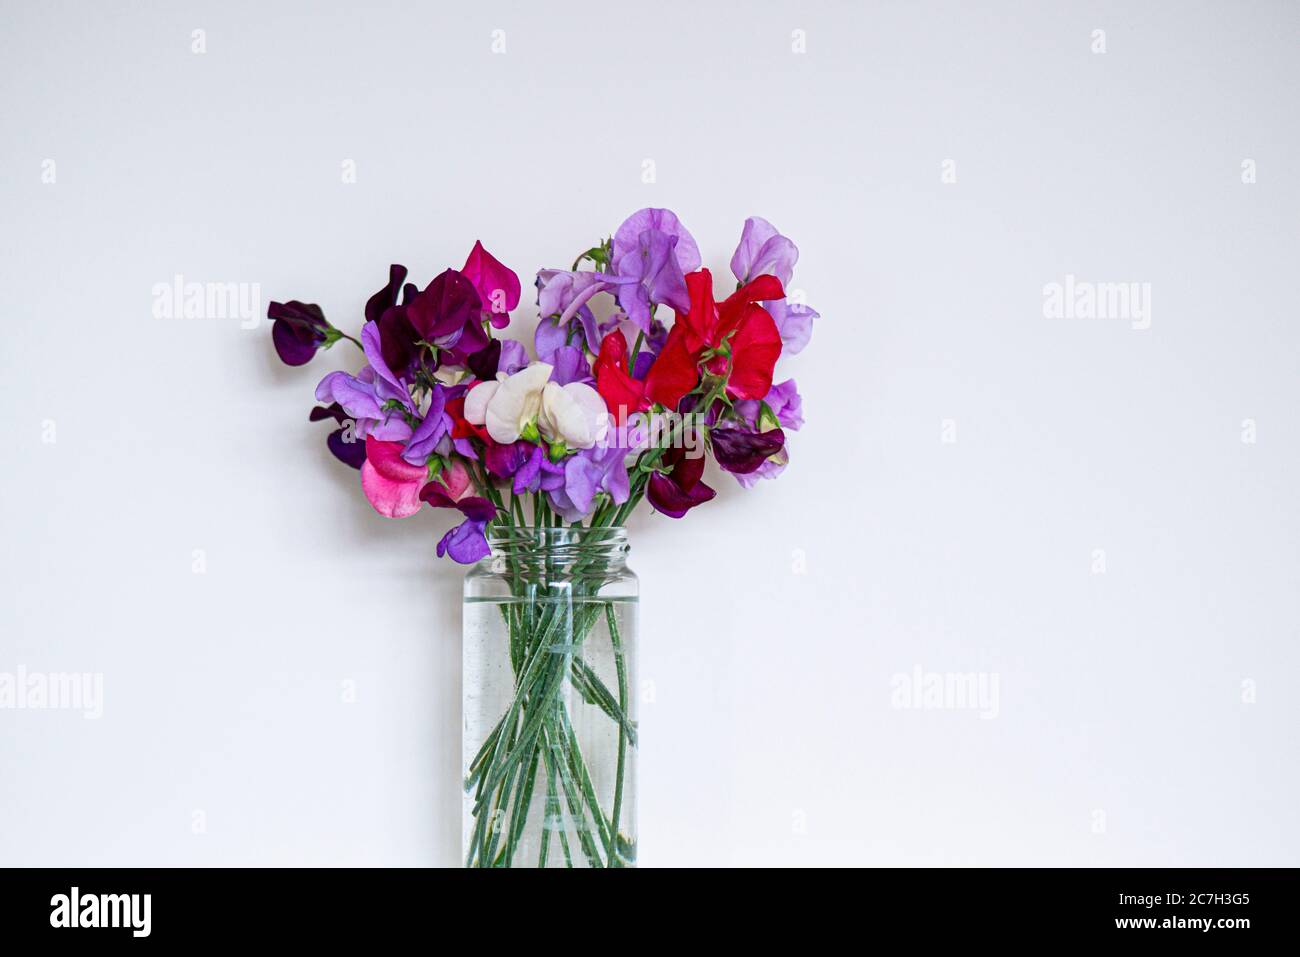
x=1124 y=731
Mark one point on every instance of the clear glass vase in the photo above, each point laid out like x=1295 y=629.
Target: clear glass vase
x=549 y=669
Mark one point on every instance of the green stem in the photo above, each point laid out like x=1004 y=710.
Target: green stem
x=617 y=644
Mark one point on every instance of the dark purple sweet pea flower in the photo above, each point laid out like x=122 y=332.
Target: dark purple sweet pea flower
x=448 y=314
x=299 y=329
x=742 y=451
x=386 y=298
x=343 y=441
x=659 y=279
x=763 y=251
x=483 y=364
x=467 y=542
x=680 y=489
x=505 y=356
x=398 y=338
x=628 y=236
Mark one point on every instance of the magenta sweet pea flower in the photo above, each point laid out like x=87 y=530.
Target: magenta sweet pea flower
x=496 y=284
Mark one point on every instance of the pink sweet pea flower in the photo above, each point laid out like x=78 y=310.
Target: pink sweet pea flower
x=390 y=482
x=457 y=480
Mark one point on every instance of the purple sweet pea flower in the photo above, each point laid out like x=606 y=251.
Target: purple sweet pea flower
x=741 y=451
x=763 y=251
x=299 y=329
x=659 y=280
x=523 y=461
x=388 y=385
x=569 y=364
x=430 y=432
x=628 y=236
x=466 y=543
x=342 y=442
x=562 y=299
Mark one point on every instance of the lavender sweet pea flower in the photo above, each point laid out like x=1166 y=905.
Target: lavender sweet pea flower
x=358 y=396
x=562 y=299
x=513 y=357
x=794 y=323
x=659 y=279
x=784 y=401
x=628 y=236
x=763 y=251
x=770 y=469
x=585 y=474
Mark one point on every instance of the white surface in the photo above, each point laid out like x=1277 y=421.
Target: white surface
x=771 y=737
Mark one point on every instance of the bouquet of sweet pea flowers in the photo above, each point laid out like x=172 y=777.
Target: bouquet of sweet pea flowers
x=618 y=405
x=544 y=459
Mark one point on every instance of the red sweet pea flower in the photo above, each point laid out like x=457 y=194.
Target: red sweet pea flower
x=742 y=335
x=460 y=428
x=623 y=394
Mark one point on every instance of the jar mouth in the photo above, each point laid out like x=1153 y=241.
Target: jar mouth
x=556 y=551
x=514 y=536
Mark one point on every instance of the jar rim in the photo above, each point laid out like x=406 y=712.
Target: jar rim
x=557 y=535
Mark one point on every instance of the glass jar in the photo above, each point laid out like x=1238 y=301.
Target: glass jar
x=549 y=670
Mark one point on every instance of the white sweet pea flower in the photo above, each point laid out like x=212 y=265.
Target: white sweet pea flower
x=574 y=414
x=476 y=402
x=510 y=404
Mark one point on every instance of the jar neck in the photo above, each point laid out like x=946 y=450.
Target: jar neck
x=558 y=553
